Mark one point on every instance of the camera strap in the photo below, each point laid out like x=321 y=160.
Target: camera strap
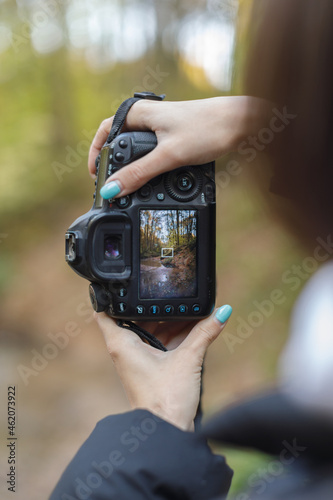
x=120 y=116
x=143 y=334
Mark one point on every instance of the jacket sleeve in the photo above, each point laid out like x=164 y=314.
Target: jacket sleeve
x=138 y=456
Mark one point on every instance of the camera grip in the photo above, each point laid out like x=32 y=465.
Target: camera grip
x=130 y=146
x=142 y=143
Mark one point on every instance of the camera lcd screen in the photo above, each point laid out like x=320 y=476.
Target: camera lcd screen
x=103 y=165
x=168 y=254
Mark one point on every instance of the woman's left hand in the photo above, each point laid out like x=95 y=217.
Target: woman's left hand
x=165 y=383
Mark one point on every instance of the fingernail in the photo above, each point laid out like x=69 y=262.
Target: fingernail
x=110 y=190
x=223 y=313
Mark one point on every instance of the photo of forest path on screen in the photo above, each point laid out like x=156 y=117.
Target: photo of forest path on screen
x=168 y=254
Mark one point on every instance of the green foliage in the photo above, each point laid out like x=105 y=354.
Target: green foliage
x=244 y=464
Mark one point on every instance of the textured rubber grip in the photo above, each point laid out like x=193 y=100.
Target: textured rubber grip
x=142 y=143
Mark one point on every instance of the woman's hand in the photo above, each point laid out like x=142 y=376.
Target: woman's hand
x=166 y=383
x=188 y=133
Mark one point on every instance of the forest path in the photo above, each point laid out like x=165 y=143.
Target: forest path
x=155 y=278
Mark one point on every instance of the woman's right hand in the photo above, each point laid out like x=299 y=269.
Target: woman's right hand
x=188 y=133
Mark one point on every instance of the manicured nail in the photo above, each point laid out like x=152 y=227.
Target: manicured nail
x=223 y=313
x=110 y=190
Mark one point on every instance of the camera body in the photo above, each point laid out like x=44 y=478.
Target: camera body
x=149 y=255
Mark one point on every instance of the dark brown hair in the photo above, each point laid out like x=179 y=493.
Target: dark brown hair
x=290 y=63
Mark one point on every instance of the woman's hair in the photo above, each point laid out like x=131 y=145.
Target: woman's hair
x=290 y=63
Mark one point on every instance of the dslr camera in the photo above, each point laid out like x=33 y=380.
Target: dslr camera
x=149 y=255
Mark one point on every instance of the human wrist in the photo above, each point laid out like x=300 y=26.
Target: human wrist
x=176 y=419
x=242 y=115
x=172 y=415
x=254 y=113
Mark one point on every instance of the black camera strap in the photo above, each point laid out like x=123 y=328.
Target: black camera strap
x=142 y=333
x=120 y=116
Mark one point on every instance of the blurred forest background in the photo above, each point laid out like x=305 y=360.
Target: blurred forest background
x=65 y=66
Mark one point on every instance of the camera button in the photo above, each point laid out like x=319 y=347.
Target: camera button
x=123 y=202
x=184 y=182
x=196 y=308
x=145 y=192
x=154 y=310
x=140 y=310
x=121 y=307
x=160 y=196
x=122 y=292
x=123 y=144
x=119 y=156
x=182 y=309
x=210 y=192
x=168 y=309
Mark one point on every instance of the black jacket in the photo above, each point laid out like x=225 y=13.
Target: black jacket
x=137 y=456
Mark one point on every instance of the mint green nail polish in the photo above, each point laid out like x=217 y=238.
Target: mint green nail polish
x=223 y=313
x=110 y=190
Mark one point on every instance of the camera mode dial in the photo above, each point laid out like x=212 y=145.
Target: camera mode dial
x=184 y=184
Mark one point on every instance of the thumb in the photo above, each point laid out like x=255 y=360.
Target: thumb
x=117 y=339
x=97 y=143
x=206 y=331
x=133 y=176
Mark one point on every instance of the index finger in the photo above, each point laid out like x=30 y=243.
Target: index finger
x=98 y=142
